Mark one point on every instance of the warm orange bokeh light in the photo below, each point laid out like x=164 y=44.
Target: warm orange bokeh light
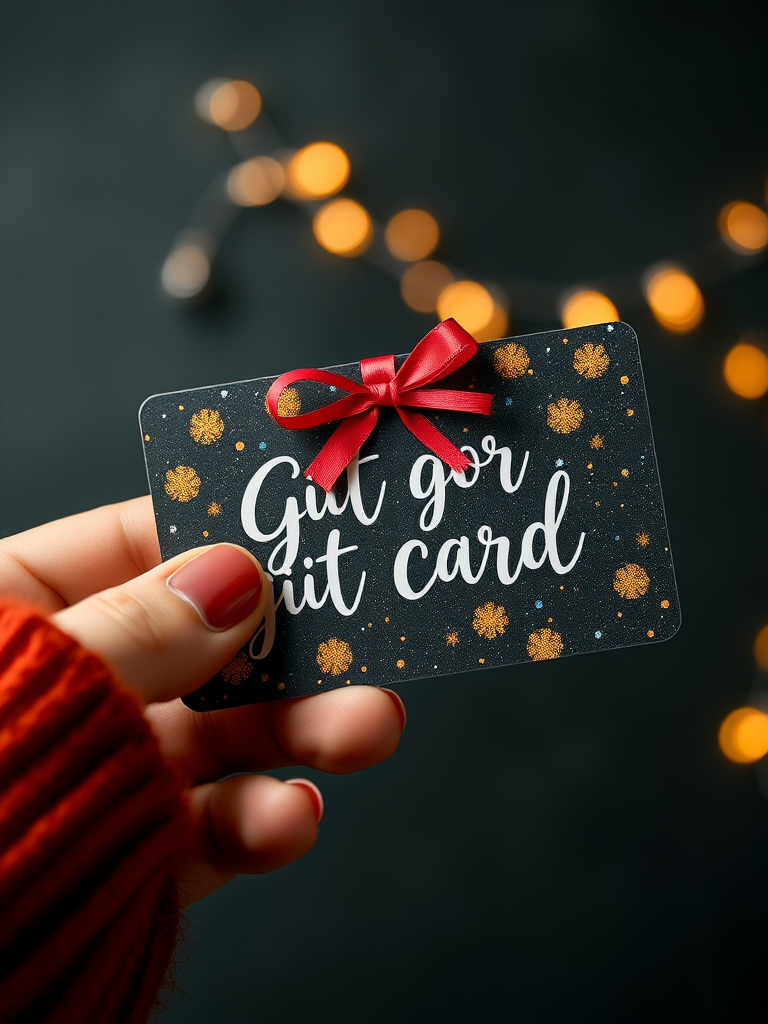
x=255 y=182
x=744 y=227
x=496 y=327
x=343 y=227
x=588 y=307
x=746 y=370
x=674 y=298
x=412 y=235
x=318 y=170
x=468 y=303
x=231 y=105
x=761 y=648
x=186 y=272
x=422 y=283
x=743 y=736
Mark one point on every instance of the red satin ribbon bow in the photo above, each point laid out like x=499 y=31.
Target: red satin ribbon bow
x=447 y=347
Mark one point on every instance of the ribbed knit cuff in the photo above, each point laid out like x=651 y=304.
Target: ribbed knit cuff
x=91 y=817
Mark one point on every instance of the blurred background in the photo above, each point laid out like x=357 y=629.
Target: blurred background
x=569 y=841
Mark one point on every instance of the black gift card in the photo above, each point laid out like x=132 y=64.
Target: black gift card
x=552 y=542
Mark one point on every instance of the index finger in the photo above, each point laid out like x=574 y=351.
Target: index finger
x=62 y=562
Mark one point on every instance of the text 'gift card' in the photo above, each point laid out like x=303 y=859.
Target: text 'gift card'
x=551 y=541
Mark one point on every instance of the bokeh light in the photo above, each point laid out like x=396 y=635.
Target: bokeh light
x=743 y=736
x=231 y=105
x=412 y=235
x=746 y=370
x=468 y=303
x=422 y=283
x=255 y=182
x=744 y=227
x=579 y=309
x=318 y=170
x=344 y=227
x=186 y=271
x=761 y=648
x=674 y=298
x=496 y=327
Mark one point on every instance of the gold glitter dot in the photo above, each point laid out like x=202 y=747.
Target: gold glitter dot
x=596 y=441
x=319 y=682
x=562 y=587
x=511 y=360
x=370 y=625
x=565 y=341
x=615 y=484
x=665 y=603
x=650 y=633
x=347 y=682
x=631 y=581
x=597 y=503
x=146 y=437
x=589 y=465
x=239 y=445
x=288 y=404
x=451 y=639
x=590 y=360
x=363 y=668
x=625 y=472
x=630 y=412
x=206 y=426
x=544 y=644
x=481 y=660
x=264 y=677
x=181 y=407
x=622 y=505
x=182 y=484
x=214 y=509
x=549 y=619
x=490 y=620
x=625 y=379
x=530 y=372
x=465 y=430
x=281 y=686
x=564 y=416
x=238 y=669
x=401 y=663
x=334 y=656
x=619 y=614
x=386 y=618
x=402 y=638
x=643 y=539
x=205 y=533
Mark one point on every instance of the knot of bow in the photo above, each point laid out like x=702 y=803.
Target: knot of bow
x=447 y=347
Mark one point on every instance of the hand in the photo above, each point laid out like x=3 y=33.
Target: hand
x=98 y=576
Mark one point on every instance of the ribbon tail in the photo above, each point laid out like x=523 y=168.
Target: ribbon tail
x=431 y=437
x=341 y=447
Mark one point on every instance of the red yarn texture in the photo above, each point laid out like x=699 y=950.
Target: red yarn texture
x=91 y=817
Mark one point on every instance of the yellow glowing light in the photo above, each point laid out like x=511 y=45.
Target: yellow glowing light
x=343 y=227
x=317 y=170
x=746 y=370
x=496 y=326
x=674 y=298
x=744 y=227
x=186 y=272
x=587 y=307
x=255 y=182
x=422 y=283
x=412 y=235
x=761 y=648
x=468 y=303
x=743 y=736
x=231 y=105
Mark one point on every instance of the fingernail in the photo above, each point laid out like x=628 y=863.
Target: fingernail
x=223 y=585
x=314 y=792
x=398 y=703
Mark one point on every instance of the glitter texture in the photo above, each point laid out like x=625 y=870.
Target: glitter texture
x=544 y=644
x=590 y=360
x=238 y=670
x=288 y=404
x=596 y=441
x=511 y=360
x=490 y=620
x=334 y=656
x=564 y=416
x=451 y=639
x=214 y=509
x=182 y=483
x=631 y=581
x=206 y=426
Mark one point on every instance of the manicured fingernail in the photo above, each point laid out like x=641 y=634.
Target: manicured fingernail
x=223 y=585
x=398 y=703
x=314 y=792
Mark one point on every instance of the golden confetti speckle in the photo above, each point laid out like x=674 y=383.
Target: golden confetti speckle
x=549 y=619
x=565 y=341
x=598 y=505
x=544 y=644
x=625 y=472
x=319 y=682
x=625 y=379
x=347 y=682
x=237 y=670
x=665 y=603
x=596 y=441
x=481 y=661
x=615 y=484
x=264 y=677
x=451 y=639
x=530 y=372
x=465 y=430
x=589 y=465
x=386 y=618
x=490 y=620
x=590 y=360
x=206 y=426
x=146 y=437
x=402 y=638
x=511 y=360
x=631 y=581
x=643 y=539
x=564 y=416
x=214 y=509
x=619 y=614
x=182 y=483
x=630 y=412
x=288 y=404
x=363 y=668
x=181 y=408
x=205 y=533
x=334 y=656
x=401 y=663
x=281 y=686
x=239 y=445
x=650 y=633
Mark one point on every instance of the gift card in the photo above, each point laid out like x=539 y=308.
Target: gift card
x=465 y=511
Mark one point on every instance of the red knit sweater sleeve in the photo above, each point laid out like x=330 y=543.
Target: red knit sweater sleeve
x=90 y=819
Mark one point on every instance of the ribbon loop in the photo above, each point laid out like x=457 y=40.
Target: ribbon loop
x=446 y=348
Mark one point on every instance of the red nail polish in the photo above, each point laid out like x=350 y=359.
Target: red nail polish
x=223 y=585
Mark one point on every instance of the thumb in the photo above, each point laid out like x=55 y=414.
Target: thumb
x=167 y=632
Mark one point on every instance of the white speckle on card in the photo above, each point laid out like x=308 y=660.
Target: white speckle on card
x=172 y=529
x=609 y=327
x=163 y=415
x=224 y=393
